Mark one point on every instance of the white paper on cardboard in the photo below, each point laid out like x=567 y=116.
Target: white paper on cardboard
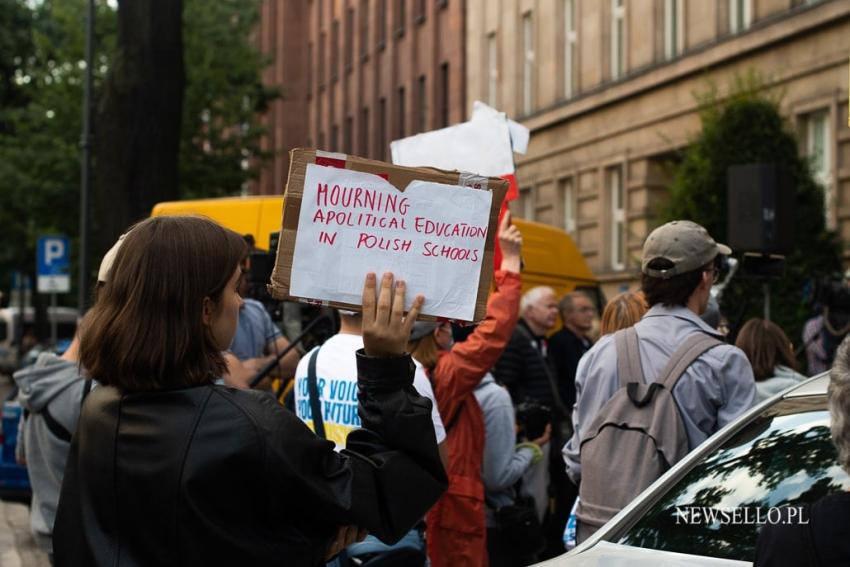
x=519 y=133
x=431 y=235
x=481 y=146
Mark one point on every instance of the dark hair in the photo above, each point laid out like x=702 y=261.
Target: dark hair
x=146 y=331
x=766 y=346
x=566 y=303
x=672 y=291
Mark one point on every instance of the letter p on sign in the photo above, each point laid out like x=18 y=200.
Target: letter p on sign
x=53 y=255
x=54 y=250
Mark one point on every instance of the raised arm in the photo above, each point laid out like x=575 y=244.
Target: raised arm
x=459 y=372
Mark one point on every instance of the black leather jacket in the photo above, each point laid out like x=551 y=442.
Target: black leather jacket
x=216 y=476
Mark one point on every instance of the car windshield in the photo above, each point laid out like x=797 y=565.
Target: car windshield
x=784 y=456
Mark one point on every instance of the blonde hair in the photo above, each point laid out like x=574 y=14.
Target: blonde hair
x=623 y=311
x=425 y=351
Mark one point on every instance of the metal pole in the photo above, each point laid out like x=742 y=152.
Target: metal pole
x=52 y=315
x=766 y=289
x=85 y=165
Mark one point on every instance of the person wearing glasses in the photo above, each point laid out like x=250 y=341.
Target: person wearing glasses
x=679 y=265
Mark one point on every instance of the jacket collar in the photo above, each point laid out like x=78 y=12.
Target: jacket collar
x=682 y=313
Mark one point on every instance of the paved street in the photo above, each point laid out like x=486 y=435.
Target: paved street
x=17 y=547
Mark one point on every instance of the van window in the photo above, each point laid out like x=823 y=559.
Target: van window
x=4 y=330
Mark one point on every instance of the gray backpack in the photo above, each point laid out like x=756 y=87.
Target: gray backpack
x=636 y=436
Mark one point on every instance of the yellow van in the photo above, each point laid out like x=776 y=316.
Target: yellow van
x=549 y=254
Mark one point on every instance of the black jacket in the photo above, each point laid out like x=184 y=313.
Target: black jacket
x=523 y=368
x=216 y=476
x=565 y=350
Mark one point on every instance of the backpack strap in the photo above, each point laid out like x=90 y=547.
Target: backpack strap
x=313 y=390
x=693 y=347
x=628 y=357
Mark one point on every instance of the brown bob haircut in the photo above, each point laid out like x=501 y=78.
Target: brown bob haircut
x=425 y=351
x=623 y=311
x=146 y=331
x=766 y=346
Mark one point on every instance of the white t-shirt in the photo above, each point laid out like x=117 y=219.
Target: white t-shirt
x=336 y=378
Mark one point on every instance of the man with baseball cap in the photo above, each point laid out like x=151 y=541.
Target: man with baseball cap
x=680 y=263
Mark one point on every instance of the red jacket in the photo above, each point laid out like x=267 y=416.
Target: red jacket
x=456 y=530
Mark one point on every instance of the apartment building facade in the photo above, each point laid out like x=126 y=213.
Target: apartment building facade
x=607 y=89
x=361 y=74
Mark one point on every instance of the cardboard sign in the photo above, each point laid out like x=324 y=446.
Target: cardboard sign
x=346 y=216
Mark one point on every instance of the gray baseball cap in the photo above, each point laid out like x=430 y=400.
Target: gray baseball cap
x=684 y=243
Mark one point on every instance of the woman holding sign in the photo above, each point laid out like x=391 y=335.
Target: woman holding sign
x=456 y=531
x=167 y=468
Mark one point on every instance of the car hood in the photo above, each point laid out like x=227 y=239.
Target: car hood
x=606 y=554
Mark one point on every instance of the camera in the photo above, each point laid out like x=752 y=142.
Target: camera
x=532 y=418
x=260 y=273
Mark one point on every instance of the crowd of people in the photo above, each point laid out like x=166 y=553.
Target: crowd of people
x=409 y=441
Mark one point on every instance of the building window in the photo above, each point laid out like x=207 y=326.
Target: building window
x=528 y=64
x=382 y=24
x=617 y=196
x=347 y=135
x=422 y=105
x=349 y=39
x=442 y=3
x=444 y=95
x=526 y=204
x=334 y=138
x=570 y=51
x=421 y=10
x=321 y=67
x=400 y=111
x=381 y=141
x=492 y=69
x=400 y=17
x=568 y=198
x=618 y=39
x=321 y=140
x=819 y=151
x=334 y=50
x=364 y=28
x=740 y=15
x=309 y=68
x=673 y=28
x=364 y=132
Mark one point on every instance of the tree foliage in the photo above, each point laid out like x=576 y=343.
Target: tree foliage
x=747 y=127
x=41 y=89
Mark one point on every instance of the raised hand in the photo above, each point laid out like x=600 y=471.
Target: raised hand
x=386 y=330
x=510 y=240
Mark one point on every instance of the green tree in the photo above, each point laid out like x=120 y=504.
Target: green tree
x=747 y=127
x=225 y=97
x=39 y=137
x=41 y=72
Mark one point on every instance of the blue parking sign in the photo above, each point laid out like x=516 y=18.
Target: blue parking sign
x=53 y=258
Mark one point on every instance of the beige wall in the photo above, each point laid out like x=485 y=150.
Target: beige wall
x=639 y=122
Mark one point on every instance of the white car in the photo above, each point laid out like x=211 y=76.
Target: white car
x=707 y=509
